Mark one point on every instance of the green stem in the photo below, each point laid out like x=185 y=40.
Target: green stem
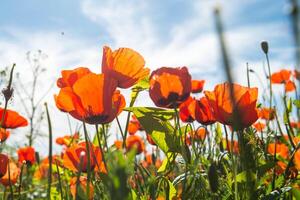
x=50 y=152
x=88 y=159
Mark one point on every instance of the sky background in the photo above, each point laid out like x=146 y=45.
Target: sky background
x=71 y=33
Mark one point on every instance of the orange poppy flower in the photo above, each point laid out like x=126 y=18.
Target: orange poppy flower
x=71 y=158
x=259 y=126
x=69 y=77
x=27 y=155
x=133 y=127
x=203 y=112
x=169 y=87
x=67 y=140
x=197 y=86
x=118 y=144
x=82 y=184
x=150 y=140
x=281 y=149
x=148 y=161
x=12 y=119
x=124 y=65
x=4 y=134
x=83 y=103
x=187 y=110
x=289 y=86
x=135 y=120
x=135 y=142
x=281 y=77
x=221 y=102
x=3 y=164
x=41 y=172
x=14 y=172
x=267 y=113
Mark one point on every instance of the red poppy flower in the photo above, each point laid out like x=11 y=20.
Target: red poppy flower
x=71 y=158
x=124 y=65
x=259 y=126
x=67 y=140
x=266 y=113
x=82 y=185
x=135 y=142
x=3 y=164
x=281 y=149
x=187 y=110
x=85 y=104
x=14 y=172
x=27 y=155
x=224 y=110
x=197 y=86
x=69 y=77
x=12 y=119
x=4 y=134
x=281 y=77
x=203 y=112
x=132 y=142
x=289 y=86
x=133 y=127
x=169 y=87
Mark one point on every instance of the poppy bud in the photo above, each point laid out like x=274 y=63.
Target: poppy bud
x=264 y=46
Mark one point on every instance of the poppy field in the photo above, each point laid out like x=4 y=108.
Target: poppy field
x=232 y=142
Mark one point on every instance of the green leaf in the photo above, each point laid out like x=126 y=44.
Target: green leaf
x=242 y=177
x=140 y=86
x=166 y=162
x=163 y=114
x=172 y=190
x=296 y=193
x=161 y=131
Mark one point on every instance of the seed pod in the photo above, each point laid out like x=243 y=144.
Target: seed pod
x=265 y=46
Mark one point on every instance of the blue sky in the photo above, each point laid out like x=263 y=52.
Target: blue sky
x=166 y=33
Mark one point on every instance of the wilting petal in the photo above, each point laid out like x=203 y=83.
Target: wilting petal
x=124 y=65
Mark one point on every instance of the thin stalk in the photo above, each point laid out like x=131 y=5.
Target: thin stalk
x=88 y=159
x=77 y=197
x=248 y=75
x=9 y=180
x=100 y=146
x=50 y=152
x=59 y=180
x=20 y=180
